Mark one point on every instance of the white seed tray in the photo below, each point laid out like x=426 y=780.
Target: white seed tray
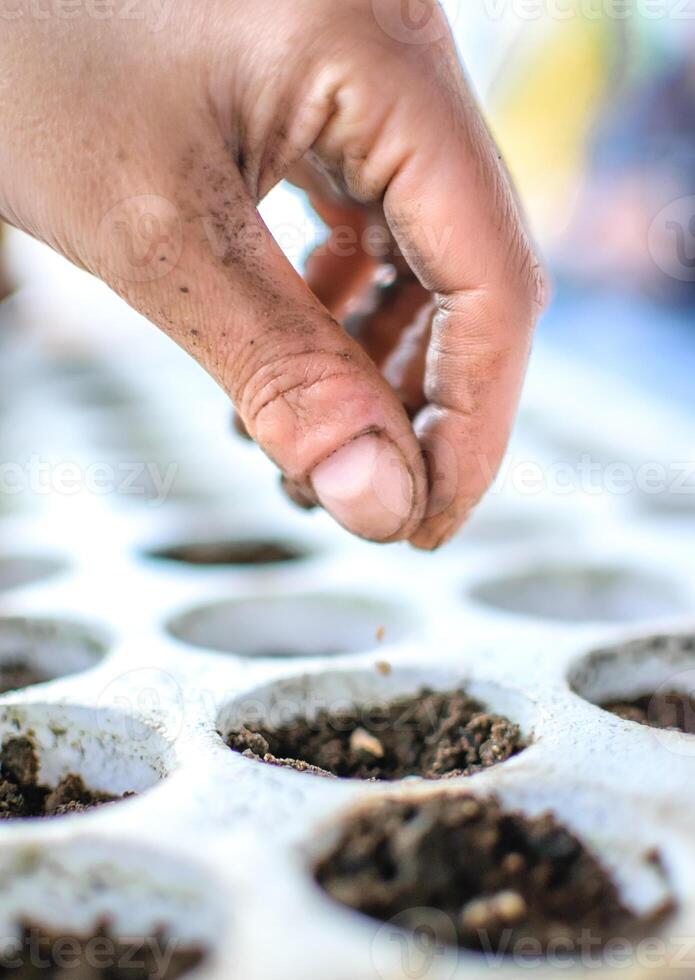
x=544 y=607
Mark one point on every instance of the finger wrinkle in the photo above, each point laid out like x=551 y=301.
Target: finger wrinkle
x=267 y=381
x=282 y=394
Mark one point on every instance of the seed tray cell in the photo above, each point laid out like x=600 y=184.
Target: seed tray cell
x=546 y=612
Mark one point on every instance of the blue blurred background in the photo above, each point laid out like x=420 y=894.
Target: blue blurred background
x=593 y=104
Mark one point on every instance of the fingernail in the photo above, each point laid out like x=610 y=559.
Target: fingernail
x=367 y=487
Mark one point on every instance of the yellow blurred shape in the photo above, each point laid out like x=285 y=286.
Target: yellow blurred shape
x=543 y=107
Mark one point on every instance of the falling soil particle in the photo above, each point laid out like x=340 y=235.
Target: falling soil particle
x=229 y=553
x=384 y=667
x=489 y=880
x=434 y=735
x=15 y=674
x=21 y=795
x=49 y=955
x=674 y=710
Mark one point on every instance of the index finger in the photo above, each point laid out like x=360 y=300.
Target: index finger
x=453 y=212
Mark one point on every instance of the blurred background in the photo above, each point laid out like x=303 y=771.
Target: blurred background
x=593 y=104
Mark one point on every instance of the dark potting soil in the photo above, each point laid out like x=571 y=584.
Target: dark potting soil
x=45 y=954
x=672 y=709
x=229 y=553
x=483 y=879
x=22 y=796
x=434 y=735
x=15 y=675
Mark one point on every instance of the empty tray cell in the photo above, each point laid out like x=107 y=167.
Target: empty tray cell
x=103 y=392
x=583 y=594
x=107 y=910
x=36 y=650
x=481 y=877
x=17 y=571
x=239 y=551
x=64 y=759
x=303 y=625
x=649 y=680
x=150 y=479
x=360 y=725
x=491 y=526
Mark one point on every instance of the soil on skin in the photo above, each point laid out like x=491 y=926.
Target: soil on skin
x=22 y=796
x=49 y=955
x=15 y=675
x=673 y=709
x=486 y=879
x=229 y=553
x=433 y=735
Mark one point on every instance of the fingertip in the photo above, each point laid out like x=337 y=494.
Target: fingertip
x=434 y=533
x=299 y=494
x=239 y=428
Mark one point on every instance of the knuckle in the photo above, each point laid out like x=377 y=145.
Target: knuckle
x=541 y=287
x=285 y=380
x=531 y=279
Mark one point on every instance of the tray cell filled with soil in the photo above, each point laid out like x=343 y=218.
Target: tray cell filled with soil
x=600 y=594
x=431 y=734
x=669 y=710
x=98 y=954
x=57 y=760
x=35 y=650
x=246 y=553
x=649 y=680
x=492 y=879
x=296 y=625
x=104 y=910
x=23 y=795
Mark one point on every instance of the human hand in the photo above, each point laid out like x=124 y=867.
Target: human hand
x=6 y=285
x=140 y=151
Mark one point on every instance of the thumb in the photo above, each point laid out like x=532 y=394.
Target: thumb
x=307 y=393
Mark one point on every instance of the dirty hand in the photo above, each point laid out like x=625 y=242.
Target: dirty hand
x=138 y=140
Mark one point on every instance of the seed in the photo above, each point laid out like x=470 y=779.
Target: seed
x=513 y=864
x=510 y=907
x=476 y=914
x=507 y=907
x=470 y=809
x=362 y=741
